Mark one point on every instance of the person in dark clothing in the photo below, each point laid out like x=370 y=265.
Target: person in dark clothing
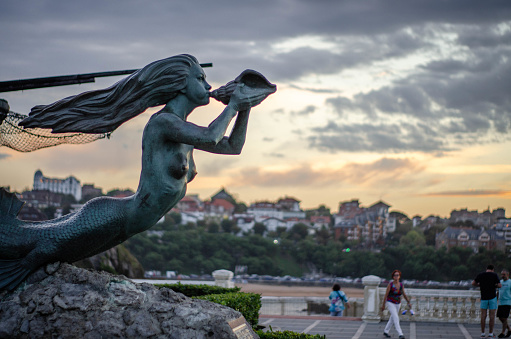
x=488 y=282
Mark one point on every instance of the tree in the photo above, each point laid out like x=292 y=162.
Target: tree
x=465 y=223
x=430 y=233
x=259 y=228
x=413 y=238
x=399 y=216
x=299 y=231
x=213 y=227
x=228 y=226
x=322 y=210
x=66 y=202
x=240 y=207
x=50 y=211
x=460 y=272
x=323 y=235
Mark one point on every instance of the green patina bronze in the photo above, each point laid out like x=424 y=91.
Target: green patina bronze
x=167 y=160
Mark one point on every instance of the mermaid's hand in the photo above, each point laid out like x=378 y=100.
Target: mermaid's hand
x=245 y=97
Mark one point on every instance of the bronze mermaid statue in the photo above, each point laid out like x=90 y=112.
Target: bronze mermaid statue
x=168 y=142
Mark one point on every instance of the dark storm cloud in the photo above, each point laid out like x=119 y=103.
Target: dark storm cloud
x=306 y=111
x=109 y=34
x=335 y=137
x=447 y=102
x=315 y=90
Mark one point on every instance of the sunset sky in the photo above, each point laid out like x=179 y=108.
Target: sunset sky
x=408 y=102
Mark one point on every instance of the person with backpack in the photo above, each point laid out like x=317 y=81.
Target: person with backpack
x=338 y=301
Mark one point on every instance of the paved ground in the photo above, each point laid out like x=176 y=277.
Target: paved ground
x=354 y=328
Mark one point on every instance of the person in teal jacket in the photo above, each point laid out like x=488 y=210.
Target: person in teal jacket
x=338 y=301
x=504 y=303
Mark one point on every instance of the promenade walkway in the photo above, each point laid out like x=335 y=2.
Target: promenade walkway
x=355 y=328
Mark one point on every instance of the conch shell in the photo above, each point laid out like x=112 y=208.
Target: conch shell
x=250 y=78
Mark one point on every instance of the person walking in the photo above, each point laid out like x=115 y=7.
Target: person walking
x=504 y=303
x=488 y=282
x=392 y=300
x=338 y=300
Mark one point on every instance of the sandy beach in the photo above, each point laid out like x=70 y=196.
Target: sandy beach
x=297 y=291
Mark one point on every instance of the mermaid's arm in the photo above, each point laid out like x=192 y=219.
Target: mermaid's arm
x=234 y=143
x=173 y=128
x=212 y=138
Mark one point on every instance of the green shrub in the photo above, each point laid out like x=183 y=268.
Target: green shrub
x=287 y=335
x=198 y=290
x=247 y=304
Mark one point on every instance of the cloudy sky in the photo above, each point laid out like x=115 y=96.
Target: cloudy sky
x=402 y=101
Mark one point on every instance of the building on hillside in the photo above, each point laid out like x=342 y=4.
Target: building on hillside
x=348 y=210
x=370 y=224
x=192 y=217
x=189 y=203
x=289 y=204
x=416 y=220
x=503 y=228
x=219 y=208
x=41 y=198
x=224 y=195
x=432 y=220
x=122 y=193
x=470 y=238
x=273 y=223
x=191 y=209
x=30 y=213
x=290 y=222
x=485 y=219
x=263 y=210
x=320 y=221
x=89 y=191
x=347 y=229
x=373 y=226
x=70 y=185
x=286 y=208
x=244 y=221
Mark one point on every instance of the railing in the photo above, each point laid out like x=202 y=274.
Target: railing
x=460 y=306
x=307 y=306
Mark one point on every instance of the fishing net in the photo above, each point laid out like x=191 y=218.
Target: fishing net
x=31 y=139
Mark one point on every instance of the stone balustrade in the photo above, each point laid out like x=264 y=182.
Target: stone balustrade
x=307 y=306
x=436 y=305
x=460 y=306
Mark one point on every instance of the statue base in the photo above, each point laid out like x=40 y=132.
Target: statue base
x=70 y=302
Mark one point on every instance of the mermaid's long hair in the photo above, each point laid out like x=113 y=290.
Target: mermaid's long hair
x=102 y=111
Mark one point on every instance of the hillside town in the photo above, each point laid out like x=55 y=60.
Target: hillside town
x=370 y=226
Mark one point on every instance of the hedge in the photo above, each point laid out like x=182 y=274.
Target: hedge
x=247 y=304
x=198 y=290
x=287 y=335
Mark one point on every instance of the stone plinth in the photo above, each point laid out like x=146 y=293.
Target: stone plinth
x=223 y=278
x=371 y=299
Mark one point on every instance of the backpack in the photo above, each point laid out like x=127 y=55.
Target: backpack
x=339 y=304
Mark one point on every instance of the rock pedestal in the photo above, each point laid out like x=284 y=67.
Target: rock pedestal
x=76 y=303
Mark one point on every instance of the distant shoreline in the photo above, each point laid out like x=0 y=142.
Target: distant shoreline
x=267 y=290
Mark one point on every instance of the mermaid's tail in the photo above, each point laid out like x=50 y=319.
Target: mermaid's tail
x=12 y=273
x=10 y=206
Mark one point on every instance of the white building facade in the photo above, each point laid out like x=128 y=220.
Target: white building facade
x=70 y=185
